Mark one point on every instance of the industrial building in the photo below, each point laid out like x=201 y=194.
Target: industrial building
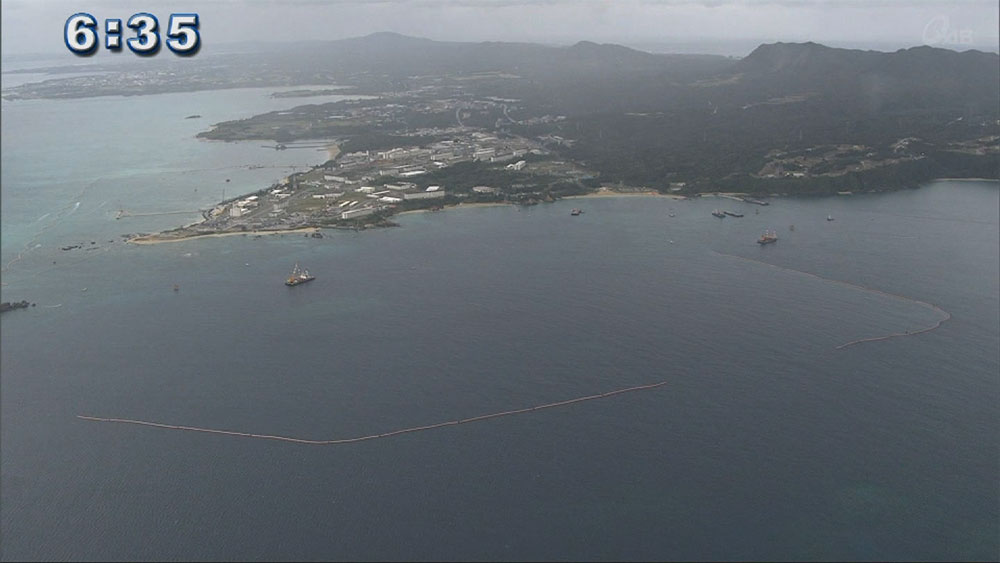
x=359 y=212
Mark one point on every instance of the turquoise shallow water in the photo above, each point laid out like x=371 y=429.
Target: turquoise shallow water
x=766 y=443
x=70 y=165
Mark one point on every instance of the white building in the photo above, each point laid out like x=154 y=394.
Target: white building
x=401 y=186
x=359 y=212
x=391 y=153
x=423 y=195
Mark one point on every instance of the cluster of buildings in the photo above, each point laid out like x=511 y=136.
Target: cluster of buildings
x=362 y=183
x=410 y=162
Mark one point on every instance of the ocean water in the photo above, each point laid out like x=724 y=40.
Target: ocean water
x=767 y=442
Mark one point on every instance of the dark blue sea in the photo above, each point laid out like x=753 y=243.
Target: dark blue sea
x=767 y=442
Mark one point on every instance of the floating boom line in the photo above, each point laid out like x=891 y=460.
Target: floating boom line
x=373 y=436
x=945 y=315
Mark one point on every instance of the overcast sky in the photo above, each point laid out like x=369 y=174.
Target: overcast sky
x=733 y=26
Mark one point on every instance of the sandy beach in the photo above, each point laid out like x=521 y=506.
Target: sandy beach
x=612 y=193
x=332 y=151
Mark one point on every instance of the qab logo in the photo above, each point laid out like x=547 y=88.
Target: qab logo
x=938 y=31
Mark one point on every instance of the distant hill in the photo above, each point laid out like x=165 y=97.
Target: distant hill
x=713 y=122
x=589 y=77
x=916 y=78
x=801 y=117
x=400 y=55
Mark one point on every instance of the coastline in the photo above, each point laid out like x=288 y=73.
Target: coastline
x=160 y=239
x=966 y=180
x=334 y=149
x=604 y=193
x=455 y=206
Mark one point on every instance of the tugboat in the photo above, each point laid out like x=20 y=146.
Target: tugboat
x=719 y=214
x=298 y=276
x=576 y=212
x=768 y=237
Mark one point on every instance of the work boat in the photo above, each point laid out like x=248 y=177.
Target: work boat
x=768 y=237
x=298 y=276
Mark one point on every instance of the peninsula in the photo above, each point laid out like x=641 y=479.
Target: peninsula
x=446 y=123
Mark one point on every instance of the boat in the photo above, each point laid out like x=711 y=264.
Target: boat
x=298 y=276
x=755 y=201
x=731 y=214
x=576 y=212
x=719 y=214
x=768 y=237
x=829 y=217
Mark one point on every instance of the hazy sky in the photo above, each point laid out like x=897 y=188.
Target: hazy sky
x=36 y=26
